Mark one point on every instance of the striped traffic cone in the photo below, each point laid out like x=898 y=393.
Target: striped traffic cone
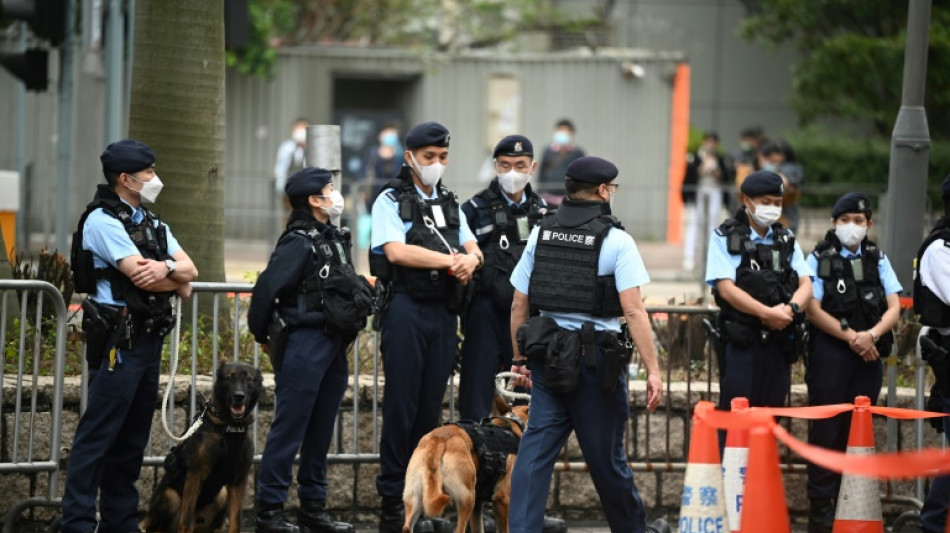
x=735 y=458
x=859 y=500
x=763 y=508
x=703 y=508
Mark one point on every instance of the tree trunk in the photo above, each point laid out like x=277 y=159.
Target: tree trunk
x=177 y=108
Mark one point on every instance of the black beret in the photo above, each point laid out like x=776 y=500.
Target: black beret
x=852 y=202
x=591 y=169
x=127 y=156
x=310 y=180
x=761 y=183
x=514 y=145
x=427 y=134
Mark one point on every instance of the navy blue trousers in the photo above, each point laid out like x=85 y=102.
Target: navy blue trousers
x=310 y=387
x=933 y=517
x=486 y=350
x=835 y=374
x=599 y=420
x=108 y=448
x=757 y=372
x=419 y=344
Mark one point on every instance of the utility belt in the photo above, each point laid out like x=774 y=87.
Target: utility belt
x=542 y=341
x=103 y=323
x=791 y=339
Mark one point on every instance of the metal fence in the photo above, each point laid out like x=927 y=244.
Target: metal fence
x=222 y=335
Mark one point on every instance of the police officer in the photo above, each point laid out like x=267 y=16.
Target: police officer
x=130 y=264
x=853 y=309
x=422 y=250
x=932 y=302
x=501 y=217
x=582 y=271
x=761 y=284
x=312 y=373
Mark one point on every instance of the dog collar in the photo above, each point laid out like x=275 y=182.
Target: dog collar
x=212 y=417
x=513 y=418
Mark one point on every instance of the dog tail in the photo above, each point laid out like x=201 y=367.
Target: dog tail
x=434 y=499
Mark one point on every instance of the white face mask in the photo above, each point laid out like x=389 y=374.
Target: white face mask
x=513 y=182
x=850 y=234
x=766 y=215
x=336 y=209
x=150 y=189
x=299 y=135
x=428 y=175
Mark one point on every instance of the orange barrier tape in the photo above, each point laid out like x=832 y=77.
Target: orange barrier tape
x=827 y=411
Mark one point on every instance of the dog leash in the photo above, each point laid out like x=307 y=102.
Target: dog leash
x=173 y=362
x=506 y=390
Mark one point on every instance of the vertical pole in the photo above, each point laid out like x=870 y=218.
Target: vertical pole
x=910 y=150
x=323 y=150
x=114 y=72
x=130 y=35
x=65 y=141
x=22 y=236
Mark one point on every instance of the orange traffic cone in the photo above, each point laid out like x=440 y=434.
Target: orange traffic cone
x=703 y=508
x=763 y=508
x=859 y=500
x=735 y=458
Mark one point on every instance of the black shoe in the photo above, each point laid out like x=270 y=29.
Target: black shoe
x=658 y=526
x=821 y=515
x=392 y=514
x=313 y=518
x=553 y=525
x=271 y=519
x=423 y=525
x=440 y=525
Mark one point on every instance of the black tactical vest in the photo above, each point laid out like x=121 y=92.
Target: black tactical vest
x=511 y=227
x=328 y=249
x=933 y=312
x=564 y=278
x=852 y=286
x=149 y=237
x=493 y=444
x=442 y=214
x=765 y=271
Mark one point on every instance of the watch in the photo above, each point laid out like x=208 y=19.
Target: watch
x=170 y=263
x=874 y=337
x=795 y=307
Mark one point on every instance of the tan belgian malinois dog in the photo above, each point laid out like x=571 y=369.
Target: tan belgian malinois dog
x=444 y=468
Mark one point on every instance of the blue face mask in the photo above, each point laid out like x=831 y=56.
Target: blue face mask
x=390 y=139
x=770 y=166
x=561 y=137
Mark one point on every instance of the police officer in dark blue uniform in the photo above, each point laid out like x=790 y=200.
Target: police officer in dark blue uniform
x=422 y=251
x=582 y=272
x=932 y=303
x=311 y=373
x=501 y=217
x=761 y=284
x=853 y=309
x=129 y=263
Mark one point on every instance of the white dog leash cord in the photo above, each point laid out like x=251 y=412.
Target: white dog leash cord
x=505 y=389
x=173 y=362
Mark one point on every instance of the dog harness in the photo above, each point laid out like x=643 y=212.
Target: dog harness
x=493 y=444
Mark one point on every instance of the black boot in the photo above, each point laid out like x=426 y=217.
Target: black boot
x=821 y=515
x=271 y=519
x=392 y=514
x=313 y=518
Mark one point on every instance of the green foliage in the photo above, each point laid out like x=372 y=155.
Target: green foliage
x=834 y=162
x=51 y=267
x=270 y=19
x=852 y=57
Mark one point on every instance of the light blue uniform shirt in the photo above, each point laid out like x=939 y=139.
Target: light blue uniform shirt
x=885 y=273
x=618 y=256
x=106 y=238
x=720 y=264
x=389 y=227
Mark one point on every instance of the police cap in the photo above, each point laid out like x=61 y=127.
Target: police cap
x=127 y=156
x=852 y=202
x=591 y=169
x=514 y=145
x=761 y=183
x=310 y=180
x=427 y=134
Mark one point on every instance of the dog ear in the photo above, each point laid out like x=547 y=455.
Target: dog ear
x=501 y=405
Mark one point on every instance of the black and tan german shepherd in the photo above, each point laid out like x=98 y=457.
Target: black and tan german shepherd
x=205 y=476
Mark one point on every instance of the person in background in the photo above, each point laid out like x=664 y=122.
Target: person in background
x=706 y=171
x=557 y=156
x=382 y=164
x=290 y=159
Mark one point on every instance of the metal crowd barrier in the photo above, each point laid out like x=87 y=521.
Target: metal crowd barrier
x=228 y=302
x=26 y=389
